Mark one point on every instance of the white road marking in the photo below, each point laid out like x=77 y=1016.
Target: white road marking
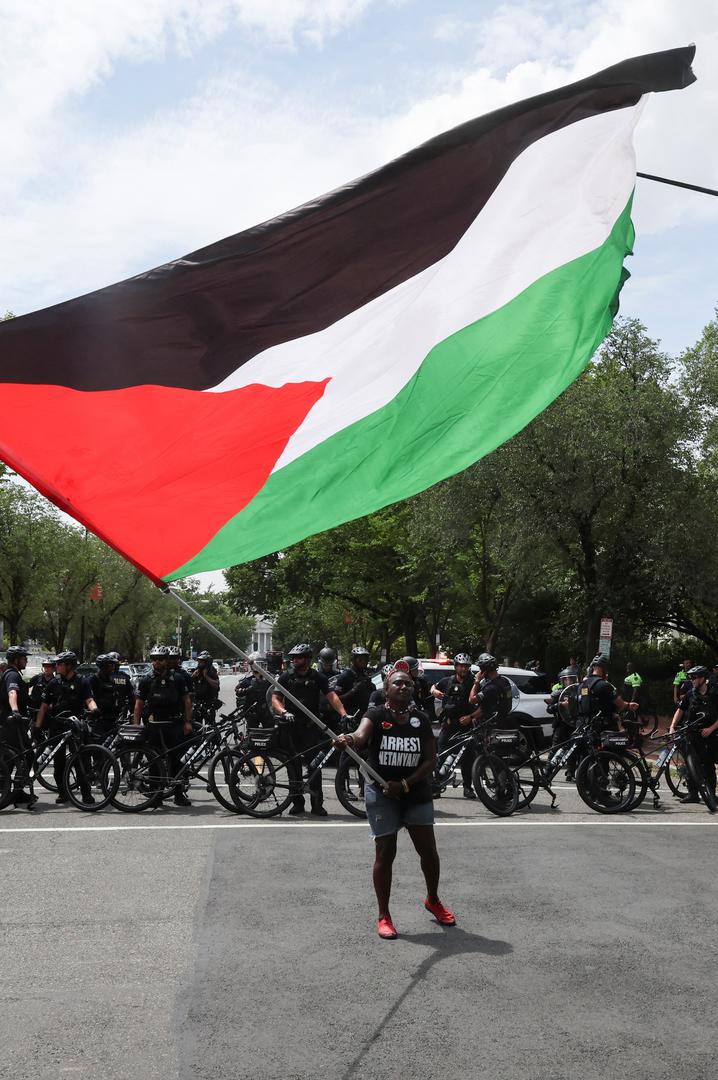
x=515 y=823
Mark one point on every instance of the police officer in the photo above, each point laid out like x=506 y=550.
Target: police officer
x=38 y=683
x=354 y=686
x=598 y=699
x=378 y=696
x=14 y=699
x=701 y=701
x=70 y=693
x=123 y=682
x=491 y=693
x=113 y=694
x=205 y=684
x=163 y=702
x=457 y=714
x=251 y=695
x=307 y=684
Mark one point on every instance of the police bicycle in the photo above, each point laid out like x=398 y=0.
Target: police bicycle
x=266 y=774
x=680 y=762
x=145 y=779
x=605 y=781
x=91 y=775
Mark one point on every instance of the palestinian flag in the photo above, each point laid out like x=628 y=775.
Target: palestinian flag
x=345 y=355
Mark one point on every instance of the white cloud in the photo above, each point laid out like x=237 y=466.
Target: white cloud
x=239 y=150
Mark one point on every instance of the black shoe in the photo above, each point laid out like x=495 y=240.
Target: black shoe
x=319 y=811
x=690 y=798
x=181 y=799
x=89 y=800
x=469 y=793
x=297 y=809
x=61 y=800
x=23 y=798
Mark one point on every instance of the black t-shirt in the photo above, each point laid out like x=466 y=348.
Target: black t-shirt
x=164 y=696
x=13 y=680
x=37 y=685
x=361 y=685
x=113 y=694
x=308 y=688
x=455 y=702
x=495 y=698
x=396 y=750
x=67 y=695
x=596 y=695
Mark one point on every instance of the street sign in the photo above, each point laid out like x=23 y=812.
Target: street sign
x=604 y=647
x=606 y=629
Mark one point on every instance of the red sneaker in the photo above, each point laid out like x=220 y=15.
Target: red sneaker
x=385 y=927
x=440 y=913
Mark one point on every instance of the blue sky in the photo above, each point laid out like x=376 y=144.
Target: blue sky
x=137 y=130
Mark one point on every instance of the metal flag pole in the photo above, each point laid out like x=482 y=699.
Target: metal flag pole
x=365 y=767
x=677 y=183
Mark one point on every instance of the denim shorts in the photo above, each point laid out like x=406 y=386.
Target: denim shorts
x=386 y=816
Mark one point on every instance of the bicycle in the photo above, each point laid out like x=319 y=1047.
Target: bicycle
x=144 y=775
x=681 y=743
x=604 y=780
x=265 y=778
x=89 y=767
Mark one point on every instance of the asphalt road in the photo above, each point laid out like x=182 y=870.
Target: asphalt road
x=191 y=944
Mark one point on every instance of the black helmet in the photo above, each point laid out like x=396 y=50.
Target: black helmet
x=159 y=652
x=67 y=657
x=359 y=650
x=327 y=655
x=114 y=657
x=487 y=662
x=103 y=658
x=699 y=672
x=174 y=650
x=462 y=658
x=14 y=651
x=204 y=655
x=386 y=670
x=412 y=663
x=301 y=650
x=600 y=661
x=566 y=674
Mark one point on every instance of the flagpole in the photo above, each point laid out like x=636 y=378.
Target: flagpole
x=365 y=767
x=677 y=183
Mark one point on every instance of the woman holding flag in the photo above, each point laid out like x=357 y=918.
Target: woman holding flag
x=402 y=749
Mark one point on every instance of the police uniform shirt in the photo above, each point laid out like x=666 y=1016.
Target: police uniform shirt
x=164 y=696
x=67 y=695
x=37 y=684
x=596 y=695
x=495 y=697
x=308 y=688
x=13 y=680
x=455 y=701
x=202 y=690
x=693 y=703
x=347 y=681
x=396 y=750
x=125 y=693
x=251 y=690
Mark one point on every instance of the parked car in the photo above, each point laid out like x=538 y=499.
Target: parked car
x=530 y=707
x=136 y=672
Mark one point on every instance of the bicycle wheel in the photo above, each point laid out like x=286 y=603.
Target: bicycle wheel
x=700 y=783
x=640 y=775
x=46 y=777
x=495 y=785
x=528 y=777
x=219 y=774
x=264 y=782
x=143 y=779
x=349 y=786
x=677 y=775
x=92 y=777
x=606 y=782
